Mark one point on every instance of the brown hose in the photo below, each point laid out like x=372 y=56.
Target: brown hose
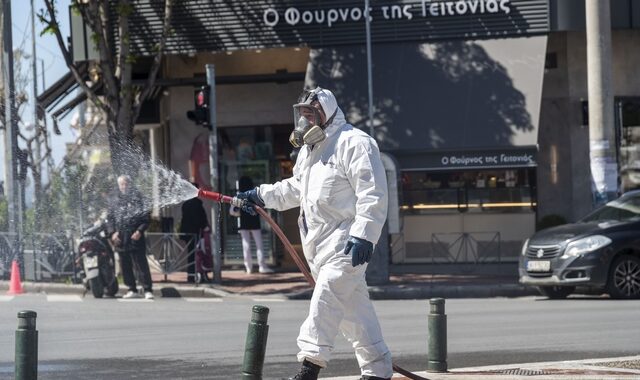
x=287 y=245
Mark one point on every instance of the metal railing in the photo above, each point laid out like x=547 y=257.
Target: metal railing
x=467 y=247
x=168 y=253
x=48 y=256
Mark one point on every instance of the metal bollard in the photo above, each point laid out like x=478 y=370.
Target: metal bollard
x=437 y=340
x=256 y=344
x=26 y=346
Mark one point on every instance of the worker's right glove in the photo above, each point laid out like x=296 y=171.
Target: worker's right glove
x=250 y=198
x=360 y=250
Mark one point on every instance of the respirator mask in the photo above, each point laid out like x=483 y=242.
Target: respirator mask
x=307 y=119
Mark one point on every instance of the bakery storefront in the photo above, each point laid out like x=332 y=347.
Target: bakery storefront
x=456 y=93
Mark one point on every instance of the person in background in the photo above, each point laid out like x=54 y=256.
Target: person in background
x=128 y=220
x=193 y=224
x=249 y=227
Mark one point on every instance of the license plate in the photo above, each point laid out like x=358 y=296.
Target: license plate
x=538 y=266
x=90 y=262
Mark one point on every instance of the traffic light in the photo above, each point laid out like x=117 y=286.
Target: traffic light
x=200 y=115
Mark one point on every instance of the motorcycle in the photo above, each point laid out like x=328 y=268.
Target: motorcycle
x=98 y=261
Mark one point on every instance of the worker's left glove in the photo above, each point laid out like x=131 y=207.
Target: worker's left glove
x=250 y=198
x=360 y=250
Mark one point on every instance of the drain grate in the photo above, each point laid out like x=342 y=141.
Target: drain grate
x=522 y=372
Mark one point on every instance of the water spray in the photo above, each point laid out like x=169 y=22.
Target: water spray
x=235 y=201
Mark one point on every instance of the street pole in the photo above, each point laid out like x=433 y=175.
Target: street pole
x=37 y=173
x=369 y=67
x=602 y=142
x=10 y=127
x=213 y=170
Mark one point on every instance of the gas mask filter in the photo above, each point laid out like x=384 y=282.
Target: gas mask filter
x=308 y=127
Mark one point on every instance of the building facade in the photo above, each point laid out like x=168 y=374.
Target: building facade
x=479 y=108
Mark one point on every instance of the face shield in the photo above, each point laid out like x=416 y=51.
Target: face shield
x=308 y=123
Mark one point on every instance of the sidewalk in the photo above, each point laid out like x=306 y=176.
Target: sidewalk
x=292 y=285
x=592 y=369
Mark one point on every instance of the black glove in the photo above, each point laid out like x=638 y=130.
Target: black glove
x=360 y=250
x=250 y=198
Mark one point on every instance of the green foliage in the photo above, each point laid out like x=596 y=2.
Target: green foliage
x=62 y=202
x=132 y=58
x=124 y=10
x=550 y=220
x=51 y=29
x=4 y=215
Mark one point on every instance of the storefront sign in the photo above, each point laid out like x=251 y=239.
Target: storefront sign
x=485 y=159
x=218 y=25
x=475 y=160
x=425 y=8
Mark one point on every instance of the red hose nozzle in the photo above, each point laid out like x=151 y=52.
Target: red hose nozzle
x=217 y=197
x=210 y=195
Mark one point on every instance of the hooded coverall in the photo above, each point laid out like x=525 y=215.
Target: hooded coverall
x=341 y=188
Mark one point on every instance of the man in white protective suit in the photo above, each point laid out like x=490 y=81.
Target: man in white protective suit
x=341 y=187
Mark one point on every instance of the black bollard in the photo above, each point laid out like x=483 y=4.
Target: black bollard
x=256 y=344
x=26 y=346
x=437 y=340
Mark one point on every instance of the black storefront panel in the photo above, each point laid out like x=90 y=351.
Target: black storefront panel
x=217 y=25
x=455 y=95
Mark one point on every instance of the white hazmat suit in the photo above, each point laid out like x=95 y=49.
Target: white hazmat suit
x=341 y=188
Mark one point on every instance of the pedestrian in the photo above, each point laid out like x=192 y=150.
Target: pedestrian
x=193 y=225
x=340 y=185
x=128 y=221
x=249 y=228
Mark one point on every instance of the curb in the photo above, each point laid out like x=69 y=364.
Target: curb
x=451 y=291
x=159 y=289
x=592 y=369
x=402 y=292
x=384 y=292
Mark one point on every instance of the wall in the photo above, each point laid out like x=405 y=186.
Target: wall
x=561 y=121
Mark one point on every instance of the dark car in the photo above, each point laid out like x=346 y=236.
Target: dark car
x=600 y=252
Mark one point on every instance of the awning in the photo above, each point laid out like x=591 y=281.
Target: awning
x=53 y=95
x=440 y=97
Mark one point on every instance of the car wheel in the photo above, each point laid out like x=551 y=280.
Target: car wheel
x=624 y=278
x=556 y=292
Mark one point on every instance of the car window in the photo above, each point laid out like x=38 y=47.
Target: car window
x=621 y=209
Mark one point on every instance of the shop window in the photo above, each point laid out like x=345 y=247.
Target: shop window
x=504 y=190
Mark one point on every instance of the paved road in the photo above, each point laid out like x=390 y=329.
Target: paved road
x=204 y=338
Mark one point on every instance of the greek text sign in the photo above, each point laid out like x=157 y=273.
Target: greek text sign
x=465 y=159
x=228 y=25
x=425 y=8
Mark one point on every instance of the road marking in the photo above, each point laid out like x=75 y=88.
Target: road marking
x=63 y=298
x=268 y=299
x=6 y=298
x=202 y=299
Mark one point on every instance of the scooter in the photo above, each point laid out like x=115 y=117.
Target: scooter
x=98 y=261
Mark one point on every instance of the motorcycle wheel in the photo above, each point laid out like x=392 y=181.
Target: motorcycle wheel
x=112 y=288
x=96 y=287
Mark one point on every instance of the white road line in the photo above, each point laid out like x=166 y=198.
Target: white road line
x=268 y=299
x=202 y=299
x=64 y=298
x=6 y=298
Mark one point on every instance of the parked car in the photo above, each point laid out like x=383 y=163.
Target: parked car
x=600 y=252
